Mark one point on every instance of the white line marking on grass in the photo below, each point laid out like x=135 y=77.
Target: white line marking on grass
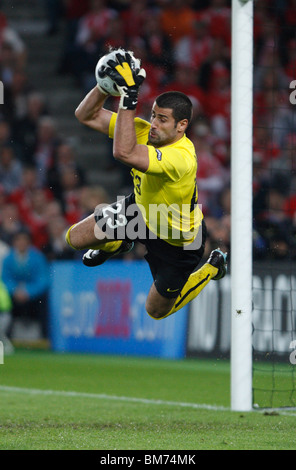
x=144 y=401
x=99 y=396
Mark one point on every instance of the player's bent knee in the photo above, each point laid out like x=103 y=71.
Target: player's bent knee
x=154 y=313
x=157 y=306
x=156 y=316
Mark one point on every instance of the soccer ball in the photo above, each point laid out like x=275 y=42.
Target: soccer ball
x=104 y=81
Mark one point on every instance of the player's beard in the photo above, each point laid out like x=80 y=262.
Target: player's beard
x=152 y=141
x=156 y=140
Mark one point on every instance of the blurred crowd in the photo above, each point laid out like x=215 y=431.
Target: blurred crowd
x=184 y=45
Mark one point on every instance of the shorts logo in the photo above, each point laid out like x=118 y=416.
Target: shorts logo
x=172 y=290
x=159 y=154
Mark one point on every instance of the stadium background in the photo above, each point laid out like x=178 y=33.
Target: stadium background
x=53 y=171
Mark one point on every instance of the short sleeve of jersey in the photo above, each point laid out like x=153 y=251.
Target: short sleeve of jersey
x=167 y=161
x=142 y=128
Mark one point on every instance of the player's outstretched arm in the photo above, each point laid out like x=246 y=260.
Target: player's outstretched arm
x=91 y=112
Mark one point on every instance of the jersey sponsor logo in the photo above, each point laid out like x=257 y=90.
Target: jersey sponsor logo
x=159 y=154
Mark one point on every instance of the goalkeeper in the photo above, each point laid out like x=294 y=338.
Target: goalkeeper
x=163 y=166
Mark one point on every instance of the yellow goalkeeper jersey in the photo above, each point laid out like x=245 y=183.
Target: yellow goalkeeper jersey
x=167 y=192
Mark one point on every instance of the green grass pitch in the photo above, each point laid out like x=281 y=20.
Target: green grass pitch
x=83 y=402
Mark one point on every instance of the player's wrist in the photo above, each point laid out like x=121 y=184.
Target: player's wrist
x=129 y=98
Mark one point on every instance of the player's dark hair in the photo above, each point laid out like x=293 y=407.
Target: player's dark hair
x=180 y=104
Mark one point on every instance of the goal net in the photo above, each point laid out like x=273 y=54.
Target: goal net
x=274 y=204
x=263 y=204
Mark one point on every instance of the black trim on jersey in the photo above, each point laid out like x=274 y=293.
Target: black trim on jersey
x=194 y=198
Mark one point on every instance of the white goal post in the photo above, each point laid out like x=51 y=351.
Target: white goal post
x=241 y=204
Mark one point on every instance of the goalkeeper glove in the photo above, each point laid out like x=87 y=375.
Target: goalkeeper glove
x=127 y=78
